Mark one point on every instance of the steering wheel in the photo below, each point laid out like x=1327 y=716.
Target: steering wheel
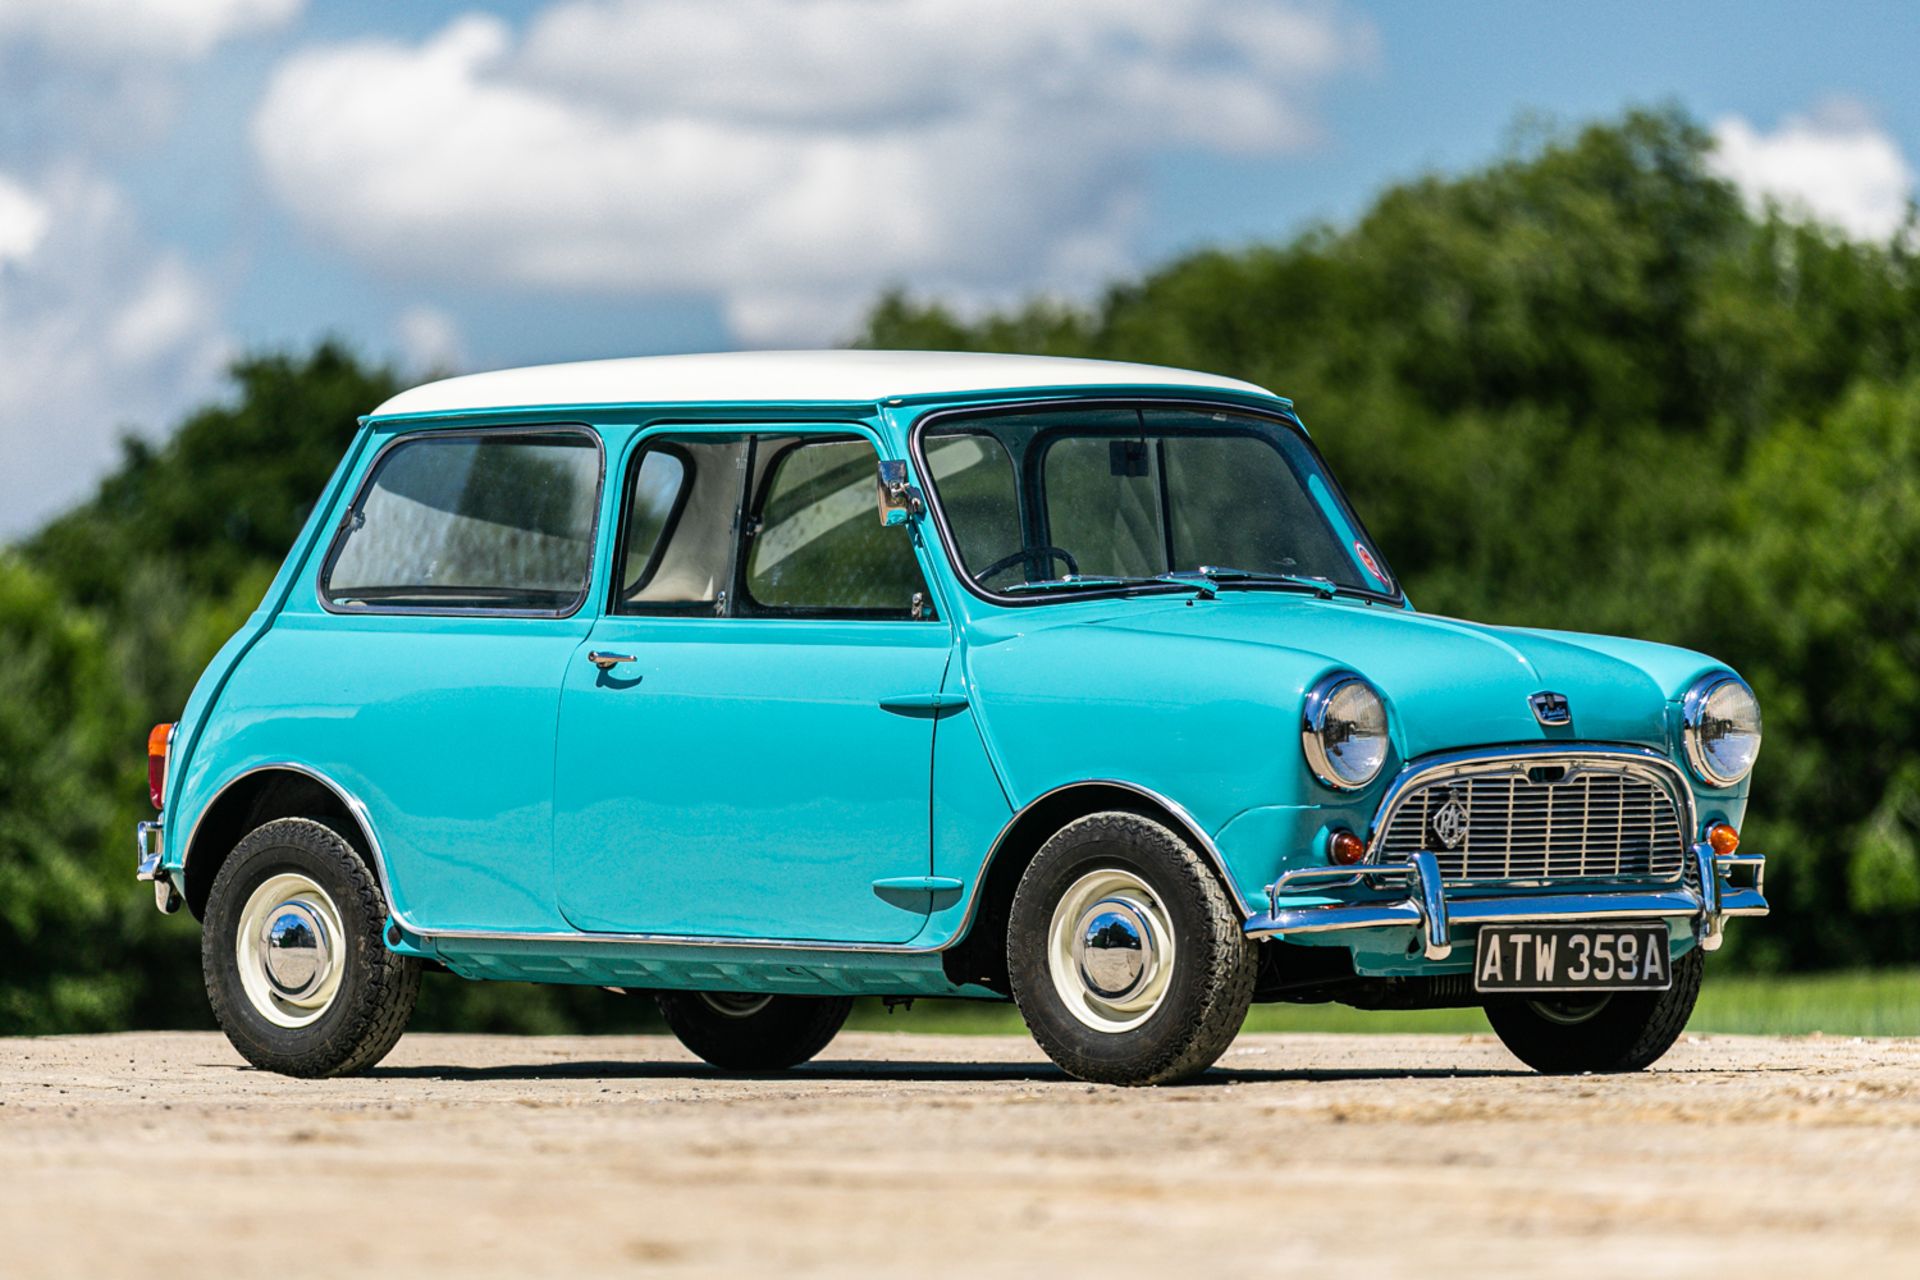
x=1037 y=557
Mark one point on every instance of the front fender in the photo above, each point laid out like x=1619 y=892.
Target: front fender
x=1212 y=727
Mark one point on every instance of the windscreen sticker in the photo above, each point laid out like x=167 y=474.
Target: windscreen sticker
x=1371 y=565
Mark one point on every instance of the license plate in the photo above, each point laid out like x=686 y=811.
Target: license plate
x=1572 y=957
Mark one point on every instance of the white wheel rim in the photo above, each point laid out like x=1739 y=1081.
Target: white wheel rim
x=735 y=1004
x=290 y=949
x=1110 y=950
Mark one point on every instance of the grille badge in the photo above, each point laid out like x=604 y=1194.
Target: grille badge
x=1551 y=708
x=1449 y=824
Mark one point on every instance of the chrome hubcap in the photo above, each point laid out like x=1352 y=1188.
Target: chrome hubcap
x=288 y=948
x=1110 y=950
x=1114 y=948
x=296 y=950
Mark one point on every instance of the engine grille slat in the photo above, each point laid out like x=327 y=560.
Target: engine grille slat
x=1577 y=818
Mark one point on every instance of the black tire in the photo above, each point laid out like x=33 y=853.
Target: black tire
x=753 y=1033
x=1631 y=1031
x=377 y=988
x=1206 y=989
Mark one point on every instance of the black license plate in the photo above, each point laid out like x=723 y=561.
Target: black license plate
x=1572 y=957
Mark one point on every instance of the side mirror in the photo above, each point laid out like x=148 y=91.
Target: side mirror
x=899 y=501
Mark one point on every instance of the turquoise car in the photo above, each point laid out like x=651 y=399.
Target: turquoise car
x=758 y=682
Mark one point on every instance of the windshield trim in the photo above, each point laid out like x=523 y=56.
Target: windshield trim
x=916 y=448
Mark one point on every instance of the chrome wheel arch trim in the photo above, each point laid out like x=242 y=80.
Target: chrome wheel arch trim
x=358 y=811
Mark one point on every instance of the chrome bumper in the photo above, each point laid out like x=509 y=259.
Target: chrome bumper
x=1428 y=909
x=147 y=850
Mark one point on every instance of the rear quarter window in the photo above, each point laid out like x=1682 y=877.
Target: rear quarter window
x=478 y=523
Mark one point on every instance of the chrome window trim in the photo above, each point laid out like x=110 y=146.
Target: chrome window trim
x=359 y=813
x=1663 y=771
x=1691 y=707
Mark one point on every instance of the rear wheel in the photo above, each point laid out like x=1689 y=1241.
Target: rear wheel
x=1624 y=1031
x=1125 y=954
x=741 y=1032
x=295 y=967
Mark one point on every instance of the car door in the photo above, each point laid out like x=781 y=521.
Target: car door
x=745 y=740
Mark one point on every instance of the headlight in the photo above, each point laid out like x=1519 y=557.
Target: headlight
x=1345 y=731
x=1721 y=728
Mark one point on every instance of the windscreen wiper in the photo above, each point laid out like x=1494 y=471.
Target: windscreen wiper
x=1227 y=577
x=1201 y=583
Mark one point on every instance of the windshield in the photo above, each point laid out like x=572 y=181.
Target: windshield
x=1057 y=501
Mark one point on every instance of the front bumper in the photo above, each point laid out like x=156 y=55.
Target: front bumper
x=1707 y=896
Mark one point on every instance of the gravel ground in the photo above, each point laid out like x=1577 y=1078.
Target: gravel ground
x=914 y=1156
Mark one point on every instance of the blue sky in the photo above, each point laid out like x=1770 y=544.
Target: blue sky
x=472 y=185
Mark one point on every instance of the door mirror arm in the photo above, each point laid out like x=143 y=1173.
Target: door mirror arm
x=899 y=500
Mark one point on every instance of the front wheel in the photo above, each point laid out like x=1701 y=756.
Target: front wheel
x=737 y=1032
x=298 y=975
x=1126 y=956
x=1624 y=1031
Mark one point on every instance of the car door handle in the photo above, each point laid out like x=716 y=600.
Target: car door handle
x=924 y=704
x=607 y=661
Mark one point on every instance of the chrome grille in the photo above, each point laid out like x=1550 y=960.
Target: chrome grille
x=1561 y=818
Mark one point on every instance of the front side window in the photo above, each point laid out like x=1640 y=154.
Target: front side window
x=1105 y=497
x=761 y=525
x=817 y=545
x=491 y=523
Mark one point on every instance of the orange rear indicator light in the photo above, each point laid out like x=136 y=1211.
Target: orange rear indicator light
x=157 y=741
x=1723 y=838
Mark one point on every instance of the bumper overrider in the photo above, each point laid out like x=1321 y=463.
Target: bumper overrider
x=147 y=850
x=1706 y=897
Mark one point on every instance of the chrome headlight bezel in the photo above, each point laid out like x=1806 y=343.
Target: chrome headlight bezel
x=1315 y=716
x=1693 y=710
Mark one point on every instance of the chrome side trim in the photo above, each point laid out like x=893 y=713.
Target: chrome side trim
x=381 y=873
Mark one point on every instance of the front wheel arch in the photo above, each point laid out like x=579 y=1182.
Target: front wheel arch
x=979 y=957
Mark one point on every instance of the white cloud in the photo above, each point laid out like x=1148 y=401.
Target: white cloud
x=786 y=156
x=1836 y=166
x=23 y=222
x=430 y=340
x=99 y=332
x=116 y=30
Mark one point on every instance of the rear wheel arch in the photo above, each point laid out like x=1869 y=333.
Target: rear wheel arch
x=260 y=796
x=980 y=956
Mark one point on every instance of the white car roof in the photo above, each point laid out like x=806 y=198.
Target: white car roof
x=783 y=377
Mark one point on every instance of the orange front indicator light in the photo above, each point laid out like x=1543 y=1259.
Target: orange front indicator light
x=1723 y=839
x=1346 y=848
x=157 y=741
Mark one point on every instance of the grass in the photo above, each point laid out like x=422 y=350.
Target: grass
x=1870 y=1003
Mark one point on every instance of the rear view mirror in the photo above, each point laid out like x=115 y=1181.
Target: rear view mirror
x=899 y=501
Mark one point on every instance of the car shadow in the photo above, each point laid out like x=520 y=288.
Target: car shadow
x=910 y=1073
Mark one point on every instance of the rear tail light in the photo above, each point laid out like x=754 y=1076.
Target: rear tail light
x=157 y=742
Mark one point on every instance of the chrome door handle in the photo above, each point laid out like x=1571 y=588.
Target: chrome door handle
x=607 y=661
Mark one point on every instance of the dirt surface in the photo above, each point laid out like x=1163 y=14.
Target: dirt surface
x=911 y=1156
